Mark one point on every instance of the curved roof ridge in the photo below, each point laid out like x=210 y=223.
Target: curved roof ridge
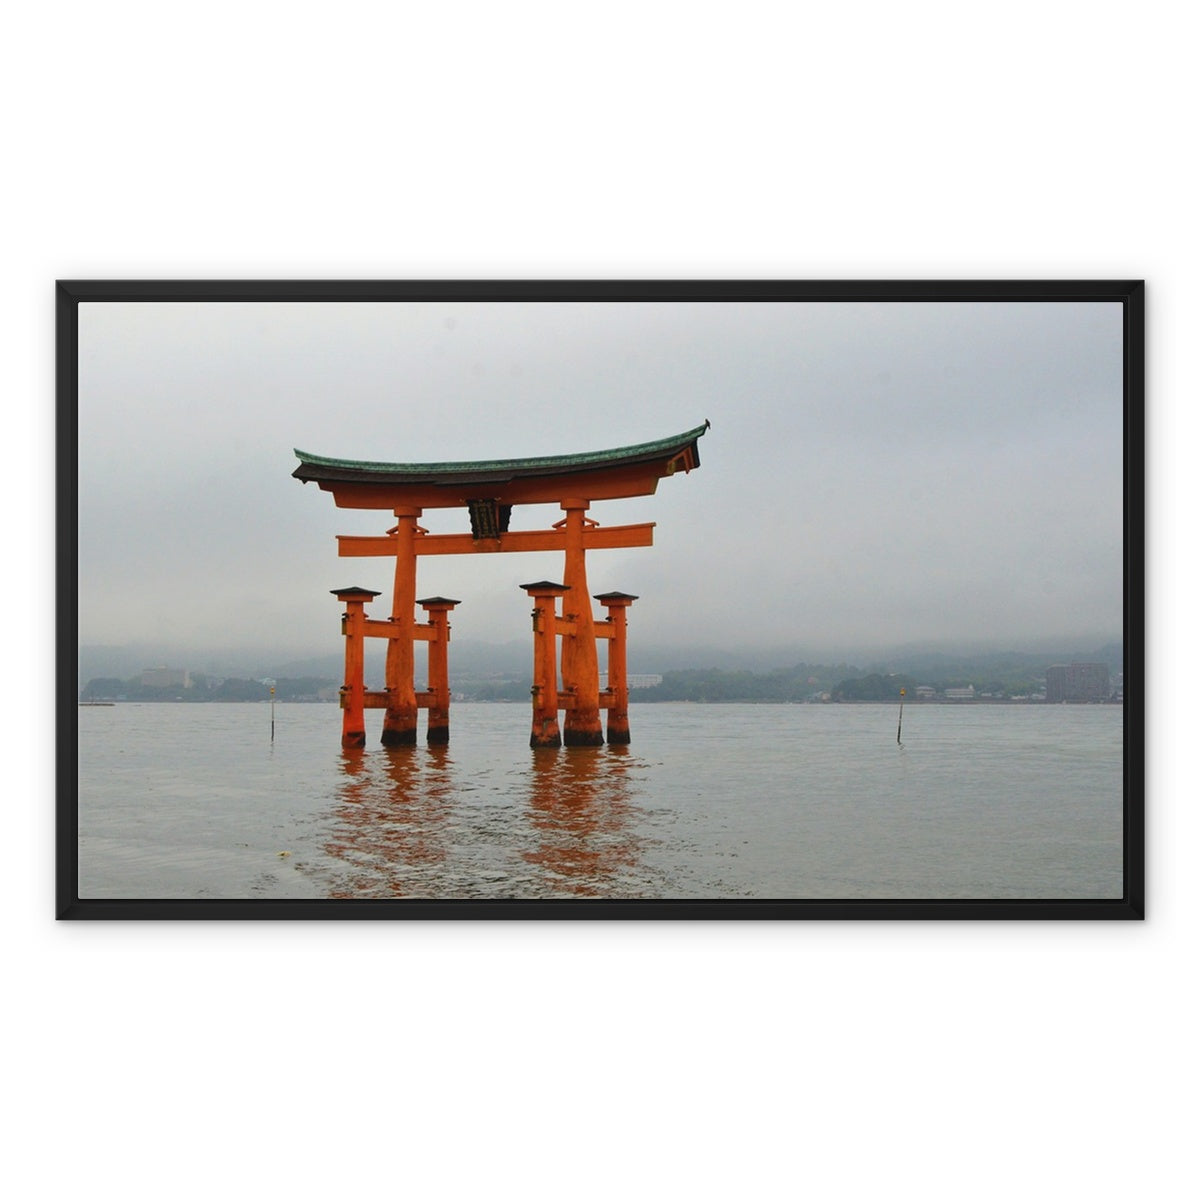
x=554 y=460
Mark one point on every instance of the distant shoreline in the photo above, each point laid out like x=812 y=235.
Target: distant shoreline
x=938 y=701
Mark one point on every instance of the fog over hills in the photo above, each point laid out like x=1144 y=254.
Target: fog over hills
x=472 y=659
x=874 y=475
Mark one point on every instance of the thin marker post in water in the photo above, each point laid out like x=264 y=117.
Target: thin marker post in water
x=901 y=720
x=272 y=712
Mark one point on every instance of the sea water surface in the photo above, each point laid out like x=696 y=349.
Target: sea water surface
x=710 y=801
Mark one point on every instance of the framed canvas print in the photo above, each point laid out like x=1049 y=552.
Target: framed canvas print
x=595 y=599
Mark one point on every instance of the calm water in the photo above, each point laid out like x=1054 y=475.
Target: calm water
x=769 y=801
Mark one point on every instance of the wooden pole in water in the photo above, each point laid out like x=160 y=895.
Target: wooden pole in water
x=272 y=712
x=901 y=720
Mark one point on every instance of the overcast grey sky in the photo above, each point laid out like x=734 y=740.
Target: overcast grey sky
x=876 y=474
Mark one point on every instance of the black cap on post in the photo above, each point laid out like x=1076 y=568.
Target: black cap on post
x=544 y=585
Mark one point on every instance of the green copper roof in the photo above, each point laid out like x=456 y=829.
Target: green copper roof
x=317 y=467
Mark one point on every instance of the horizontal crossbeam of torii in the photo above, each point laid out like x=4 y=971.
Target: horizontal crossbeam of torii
x=489 y=491
x=595 y=537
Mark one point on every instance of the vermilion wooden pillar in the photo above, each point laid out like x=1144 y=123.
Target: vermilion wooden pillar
x=354 y=731
x=617 y=604
x=580 y=665
x=438 y=608
x=545 y=730
x=400 y=717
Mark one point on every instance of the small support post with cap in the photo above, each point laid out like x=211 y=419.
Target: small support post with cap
x=438 y=608
x=354 y=731
x=545 y=730
x=617 y=604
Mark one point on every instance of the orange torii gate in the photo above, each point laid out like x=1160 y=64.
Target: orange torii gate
x=489 y=491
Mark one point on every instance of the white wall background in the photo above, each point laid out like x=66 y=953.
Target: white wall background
x=865 y=140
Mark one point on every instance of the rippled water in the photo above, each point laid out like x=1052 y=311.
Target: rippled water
x=768 y=801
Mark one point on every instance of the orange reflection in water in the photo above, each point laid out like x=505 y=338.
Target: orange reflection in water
x=391 y=820
x=579 y=806
x=409 y=822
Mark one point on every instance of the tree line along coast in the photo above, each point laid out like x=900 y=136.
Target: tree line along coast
x=999 y=678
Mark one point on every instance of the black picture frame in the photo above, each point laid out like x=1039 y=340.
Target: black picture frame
x=71 y=293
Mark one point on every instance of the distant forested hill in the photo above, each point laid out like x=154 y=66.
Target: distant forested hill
x=484 y=672
x=998 y=674
x=711 y=685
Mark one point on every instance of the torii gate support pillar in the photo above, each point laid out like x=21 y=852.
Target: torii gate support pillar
x=580 y=664
x=545 y=732
x=617 y=697
x=439 y=608
x=354 y=623
x=400 y=717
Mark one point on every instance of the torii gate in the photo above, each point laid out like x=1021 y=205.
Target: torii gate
x=489 y=491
